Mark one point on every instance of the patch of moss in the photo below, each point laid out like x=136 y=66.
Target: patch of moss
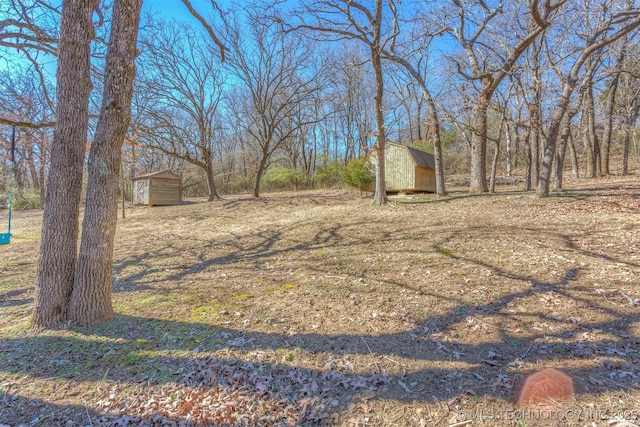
x=207 y=313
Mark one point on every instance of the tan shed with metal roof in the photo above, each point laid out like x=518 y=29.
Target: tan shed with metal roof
x=157 y=188
x=408 y=170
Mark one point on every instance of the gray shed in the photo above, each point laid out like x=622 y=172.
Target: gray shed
x=157 y=188
x=407 y=169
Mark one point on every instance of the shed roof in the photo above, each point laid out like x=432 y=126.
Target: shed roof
x=166 y=173
x=422 y=158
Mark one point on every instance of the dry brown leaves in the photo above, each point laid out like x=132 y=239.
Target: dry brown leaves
x=239 y=393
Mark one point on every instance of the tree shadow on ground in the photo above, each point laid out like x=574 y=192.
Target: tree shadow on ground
x=137 y=350
x=153 y=359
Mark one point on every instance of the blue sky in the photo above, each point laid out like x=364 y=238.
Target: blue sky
x=176 y=9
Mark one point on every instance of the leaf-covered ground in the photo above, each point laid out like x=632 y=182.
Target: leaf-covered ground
x=317 y=308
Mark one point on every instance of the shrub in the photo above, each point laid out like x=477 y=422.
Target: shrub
x=328 y=176
x=282 y=178
x=26 y=198
x=358 y=174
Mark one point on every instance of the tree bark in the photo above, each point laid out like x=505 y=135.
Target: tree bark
x=91 y=296
x=508 y=149
x=608 y=124
x=575 y=167
x=259 y=172
x=58 y=247
x=561 y=152
x=494 y=167
x=380 y=195
x=592 y=143
x=479 y=146
x=630 y=121
x=211 y=185
x=534 y=153
x=536 y=113
x=552 y=137
x=437 y=145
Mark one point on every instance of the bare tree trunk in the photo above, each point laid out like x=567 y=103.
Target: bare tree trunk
x=211 y=185
x=608 y=124
x=575 y=167
x=528 y=184
x=380 y=195
x=123 y=190
x=534 y=153
x=625 y=153
x=58 y=247
x=591 y=140
x=437 y=146
x=627 y=138
x=91 y=296
x=560 y=154
x=259 y=172
x=508 y=158
x=536 y=114
x=41 y=177
x=479 y=146
x=516 y=146
x=611 y=99
x=494 y=167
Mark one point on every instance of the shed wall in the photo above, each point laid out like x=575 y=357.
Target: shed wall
x=164 y=191
x=402 y=174
x=425 y=179
x=399 y=169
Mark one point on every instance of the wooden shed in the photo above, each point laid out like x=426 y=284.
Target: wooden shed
x=157 y=188
x=408 y=170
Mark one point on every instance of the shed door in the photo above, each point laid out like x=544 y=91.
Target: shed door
x=140 y=192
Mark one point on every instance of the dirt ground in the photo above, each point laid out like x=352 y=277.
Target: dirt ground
x=317 y=308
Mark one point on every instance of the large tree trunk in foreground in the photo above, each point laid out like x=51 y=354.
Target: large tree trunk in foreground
x=91 y=297
x=58 y=247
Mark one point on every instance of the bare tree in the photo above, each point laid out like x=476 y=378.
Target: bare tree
x=91 y=296
x=271 y=66
x=612 y=24
x=414 y=61
x=184 y=74
x=22 y=100
x=628 y=104
x=490 y=56
x=31 y=28
x=348 y=19
x=349 y=98
x=58 y=247
x=618 y=56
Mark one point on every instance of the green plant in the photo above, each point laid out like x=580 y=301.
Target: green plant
x=358 y=174
x=26 y=198
x=282 y=178
x=328 y=175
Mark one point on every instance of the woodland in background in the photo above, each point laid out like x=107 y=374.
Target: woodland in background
x=291 y=104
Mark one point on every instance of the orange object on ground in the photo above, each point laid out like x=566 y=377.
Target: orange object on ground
x=547 y=386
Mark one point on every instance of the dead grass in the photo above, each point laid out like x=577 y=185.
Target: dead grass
x=317 y=308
